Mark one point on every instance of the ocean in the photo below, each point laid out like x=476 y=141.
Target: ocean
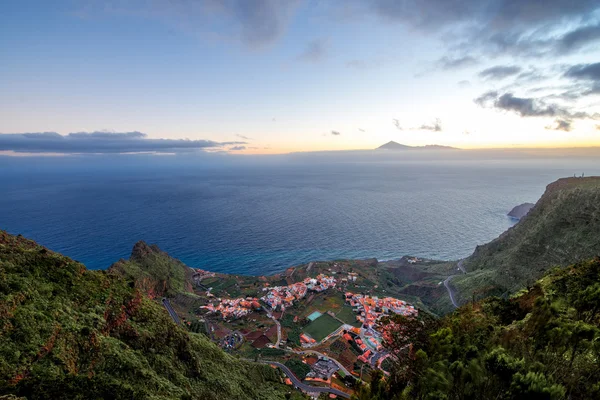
x=259 y=217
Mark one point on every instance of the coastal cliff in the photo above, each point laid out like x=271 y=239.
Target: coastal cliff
x=562 y=228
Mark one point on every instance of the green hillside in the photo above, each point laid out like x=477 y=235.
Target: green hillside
x=154 y=271
x=543 y=343
x=562 y=228
x=67 y=332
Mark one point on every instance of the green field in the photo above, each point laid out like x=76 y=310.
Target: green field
x=322 y=326
x=348 y=316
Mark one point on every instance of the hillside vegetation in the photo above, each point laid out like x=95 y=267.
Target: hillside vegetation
x=154 y=271
x=67 y=332
x=562 y=228
x=543 y=343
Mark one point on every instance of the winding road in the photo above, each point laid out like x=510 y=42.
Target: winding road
x=451 y=292
x=304 y=387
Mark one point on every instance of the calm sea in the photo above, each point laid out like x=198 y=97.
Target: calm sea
x=256 y=217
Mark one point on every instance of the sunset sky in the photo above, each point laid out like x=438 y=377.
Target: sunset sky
x=276 y=76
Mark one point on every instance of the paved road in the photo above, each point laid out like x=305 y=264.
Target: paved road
x=303 y=386
x=450 y=290
x=170 y=310
x=447 y=283
x=278 y=329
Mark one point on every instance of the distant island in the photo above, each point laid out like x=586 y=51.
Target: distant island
x=391 y=145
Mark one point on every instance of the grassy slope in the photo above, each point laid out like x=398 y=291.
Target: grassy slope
x=66 y=332
x=563 y=227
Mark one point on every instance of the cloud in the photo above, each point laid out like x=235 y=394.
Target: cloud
x=486 y=98
x=584 y=72
x=464 y=84
x=499 y=72
x=361 y=130
x=497 y=14
x=315 y=51
x=450 y=63
x=527 y=28
x=579 y=38
x=565 y=125
x=397 y=124
x=436 y=126
x=101 y=142
x=529 y=107
x=244 y=137
x=255 y=23
x=237 y=148
x=335 y=133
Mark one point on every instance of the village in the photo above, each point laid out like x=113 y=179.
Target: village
x=283 y=297
x=234 y=308
x=328 y=320
x=371 y=309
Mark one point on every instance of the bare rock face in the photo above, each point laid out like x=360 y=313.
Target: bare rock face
x=520 y=211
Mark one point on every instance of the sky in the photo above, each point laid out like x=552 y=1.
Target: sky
x=278 y=76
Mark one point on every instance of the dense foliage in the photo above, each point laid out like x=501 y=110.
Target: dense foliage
x=298 y=368
x=154 y=272
x=543 y=343
x=66 y=332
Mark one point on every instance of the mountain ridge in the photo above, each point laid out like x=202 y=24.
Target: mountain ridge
x=392 y=145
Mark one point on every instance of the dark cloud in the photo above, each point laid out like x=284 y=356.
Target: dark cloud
x=486 y=98
x=244 y=137
x=436 y=126
x=527 y=28
x=335 y=133
x=565 y=125
x=586 y=78
x=262 y=21
x=255 y=23
x=496 y=14
x=101 y=142
x=315 y=51
x=397 y=124
x=579 y=38
x=529 y=107
x=449 y=63
x=500 y=72
x=589 y=72
x=237 y=148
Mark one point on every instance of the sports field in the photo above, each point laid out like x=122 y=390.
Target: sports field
x=348 y=316
x=322 y=326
